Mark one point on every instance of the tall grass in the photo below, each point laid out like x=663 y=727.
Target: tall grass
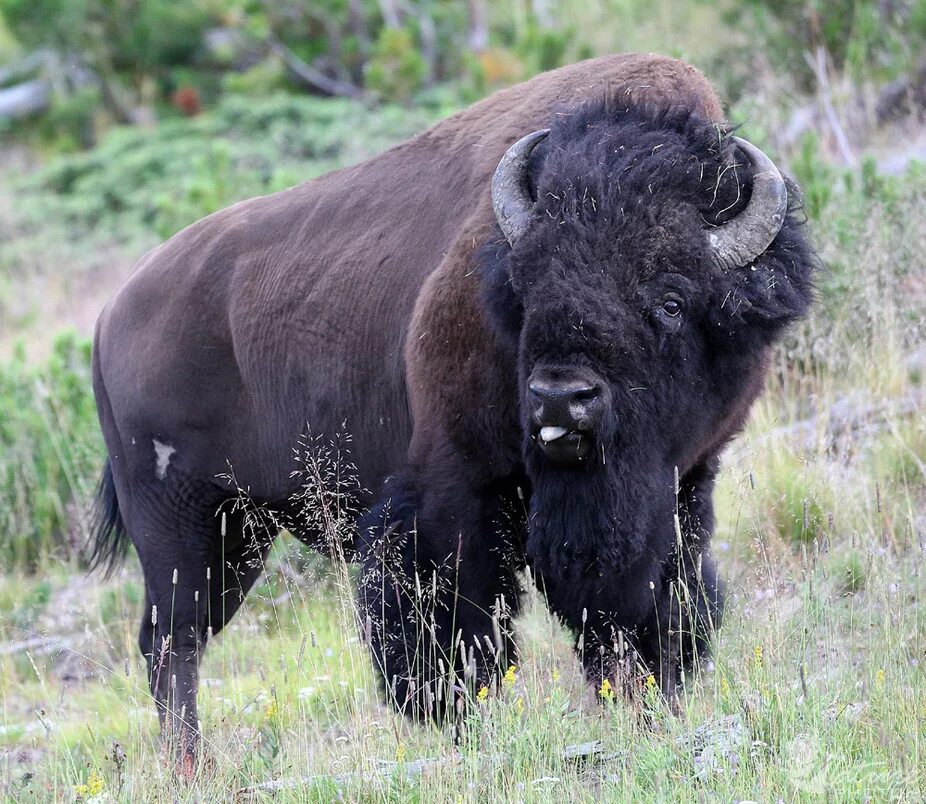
x=50 y=454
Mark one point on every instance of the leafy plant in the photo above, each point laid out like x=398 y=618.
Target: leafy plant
x=50 y=452
x=397 y=68
x=866 y=38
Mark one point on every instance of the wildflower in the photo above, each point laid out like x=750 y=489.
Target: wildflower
x=757 y=655
x=483 y=694
x=511 y=675
x=93 y=786
x=519 y=705
x=272 y=709
x=724 y=686
x=606 y=691
x=650 y=682
x=555 y=675
x=879 y=678
x=400 y=753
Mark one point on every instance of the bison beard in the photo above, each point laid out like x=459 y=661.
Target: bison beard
x=604 y=550
x=589 y=521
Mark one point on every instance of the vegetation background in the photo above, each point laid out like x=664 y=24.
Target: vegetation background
x=124 y=120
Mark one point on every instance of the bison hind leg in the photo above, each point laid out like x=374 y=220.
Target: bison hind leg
x=197 y=565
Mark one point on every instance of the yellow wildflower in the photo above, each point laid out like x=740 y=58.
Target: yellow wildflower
x=555 y=675
x=483 y=694
x=724 y=686
x=519 y=705
x=93 y=786
x=511 y=675
x=606 y=691
x=879 y=678
x=757 y=655
x=272 y=709
x=650 y=682
x=400 y=753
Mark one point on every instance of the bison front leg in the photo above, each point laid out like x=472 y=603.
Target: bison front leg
x=437 y=593
x=689 y=608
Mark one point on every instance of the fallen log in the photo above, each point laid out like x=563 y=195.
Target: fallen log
x=582 y=753
x=38 y=645
x=25 y=99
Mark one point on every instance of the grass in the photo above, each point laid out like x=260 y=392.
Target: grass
x=816 y=688
x=814 y=692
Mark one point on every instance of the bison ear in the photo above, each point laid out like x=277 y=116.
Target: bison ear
x=500 y=299
x=775 y=290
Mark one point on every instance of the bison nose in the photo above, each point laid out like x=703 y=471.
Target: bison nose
x=568 y=405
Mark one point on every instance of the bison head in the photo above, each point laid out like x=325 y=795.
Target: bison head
x=649 y=261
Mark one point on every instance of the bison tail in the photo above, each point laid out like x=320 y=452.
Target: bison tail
x=108 y=536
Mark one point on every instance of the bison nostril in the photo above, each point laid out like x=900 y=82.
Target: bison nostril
x=586 y=395
x=563 y=404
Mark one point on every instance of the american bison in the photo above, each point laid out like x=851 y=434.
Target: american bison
x=541 y=320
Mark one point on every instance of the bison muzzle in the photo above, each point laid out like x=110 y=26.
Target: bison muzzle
x=541 y=321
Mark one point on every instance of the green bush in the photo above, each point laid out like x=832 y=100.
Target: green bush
x=397 y=68
x=866 y=38
x=163 y=179
x=50 y=453
x=69 y=123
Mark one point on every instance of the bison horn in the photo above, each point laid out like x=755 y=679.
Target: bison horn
x=739 y=241
x=511 y=198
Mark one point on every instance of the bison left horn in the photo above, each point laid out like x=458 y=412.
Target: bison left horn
x=739 y=241
x=511 y=197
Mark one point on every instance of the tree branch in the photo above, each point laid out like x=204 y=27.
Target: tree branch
x=311 y=76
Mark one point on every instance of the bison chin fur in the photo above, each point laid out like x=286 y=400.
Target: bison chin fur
x=640 y=597
x=595 y=520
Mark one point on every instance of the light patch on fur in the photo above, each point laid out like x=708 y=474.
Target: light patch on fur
x=162 y=454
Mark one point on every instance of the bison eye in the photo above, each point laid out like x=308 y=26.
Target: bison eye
x=672 y=306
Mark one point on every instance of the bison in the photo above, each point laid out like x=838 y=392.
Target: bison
x=540 y=320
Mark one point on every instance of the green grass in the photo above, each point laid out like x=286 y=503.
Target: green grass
x=815 y=692
x=50 y=453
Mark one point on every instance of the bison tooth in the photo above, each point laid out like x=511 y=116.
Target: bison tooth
x=548 y=434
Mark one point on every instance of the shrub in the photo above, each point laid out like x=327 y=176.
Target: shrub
x=866 y=38
x=50 y=453
x=397 y=68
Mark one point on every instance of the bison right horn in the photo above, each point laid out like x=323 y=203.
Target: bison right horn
x=739 y=241
x=511 y=198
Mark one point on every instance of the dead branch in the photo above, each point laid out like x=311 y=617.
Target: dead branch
x=311 y=76
x=38 y=645
x=817 y=63
x=25 y=99
x=853 y=416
